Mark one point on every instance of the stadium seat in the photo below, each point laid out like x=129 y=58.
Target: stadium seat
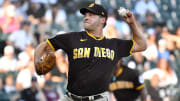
x=4 y=97
x=120 y=3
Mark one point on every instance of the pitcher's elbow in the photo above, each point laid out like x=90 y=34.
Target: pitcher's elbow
x=144 y=46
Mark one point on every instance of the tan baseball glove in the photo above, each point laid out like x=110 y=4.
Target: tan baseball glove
x=46 y=64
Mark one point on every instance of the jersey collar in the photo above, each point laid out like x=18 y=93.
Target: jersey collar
x=101 y=38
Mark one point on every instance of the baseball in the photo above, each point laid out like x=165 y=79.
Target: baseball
x=122 y=12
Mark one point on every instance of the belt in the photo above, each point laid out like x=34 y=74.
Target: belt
x=83 y=98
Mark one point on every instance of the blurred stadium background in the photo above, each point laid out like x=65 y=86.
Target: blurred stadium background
x=26 y=23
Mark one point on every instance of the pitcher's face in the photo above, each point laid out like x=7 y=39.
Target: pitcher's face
x=91 y=21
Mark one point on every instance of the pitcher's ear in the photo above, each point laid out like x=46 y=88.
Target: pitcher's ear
x=103 y=20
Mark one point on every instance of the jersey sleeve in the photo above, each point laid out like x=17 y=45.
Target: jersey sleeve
x=139 y=82
x=60 y=42
x=125 y=47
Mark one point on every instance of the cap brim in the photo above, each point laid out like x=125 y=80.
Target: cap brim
x=84 y=10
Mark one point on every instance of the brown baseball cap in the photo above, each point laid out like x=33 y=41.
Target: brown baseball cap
x=96 y=9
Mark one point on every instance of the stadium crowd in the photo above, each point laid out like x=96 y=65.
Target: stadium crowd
x=26 y=23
